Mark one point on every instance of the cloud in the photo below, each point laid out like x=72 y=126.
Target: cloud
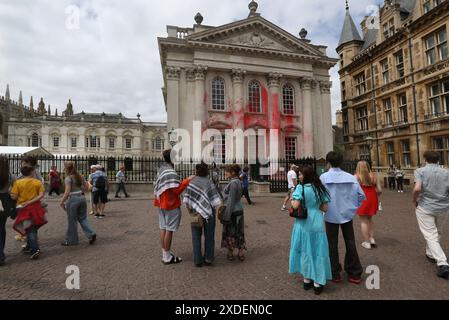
x=111 y=63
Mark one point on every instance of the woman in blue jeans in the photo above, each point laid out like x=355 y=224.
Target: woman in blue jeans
x=6 y=181
x=74 y=202
x=202 y=199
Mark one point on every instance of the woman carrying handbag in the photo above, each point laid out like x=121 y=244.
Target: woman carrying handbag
x=309 y=253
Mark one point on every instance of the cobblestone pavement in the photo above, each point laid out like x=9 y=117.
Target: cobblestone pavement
x=126 y=261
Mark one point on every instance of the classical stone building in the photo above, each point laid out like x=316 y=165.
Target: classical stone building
x=84 y=134
x=395 y=83
x=249 y=74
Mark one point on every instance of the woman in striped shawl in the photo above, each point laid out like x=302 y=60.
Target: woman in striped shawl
x=202 y=197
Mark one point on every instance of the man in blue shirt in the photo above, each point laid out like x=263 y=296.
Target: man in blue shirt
x=245 y=184
x=346 y=197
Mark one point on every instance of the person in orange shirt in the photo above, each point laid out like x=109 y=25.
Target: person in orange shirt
x=167 y=191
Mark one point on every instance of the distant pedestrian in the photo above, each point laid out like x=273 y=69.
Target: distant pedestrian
x=28 y=192
x=309 y=253
x=54 y=179
x=346 y=197
x=431 y=197
x=215 y=177
x=391 y=173
x=202 y=200
x=400 y=179
x=93 y=169
x=98 y=184
x=371 y=187
x=75 y=204
x=244 y=178
x=8 y=205
x=121 y=181
x=167 y=191
x=292 y=181
x=233 y=237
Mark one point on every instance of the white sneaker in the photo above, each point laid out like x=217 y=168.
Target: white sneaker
x=366 y=245
x=284 y=208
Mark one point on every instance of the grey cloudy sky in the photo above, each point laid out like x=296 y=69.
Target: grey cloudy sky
x=111 y=64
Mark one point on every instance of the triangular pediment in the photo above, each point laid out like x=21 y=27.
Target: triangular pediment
x=256 y=32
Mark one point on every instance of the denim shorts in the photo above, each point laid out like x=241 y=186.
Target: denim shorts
x=170 y=220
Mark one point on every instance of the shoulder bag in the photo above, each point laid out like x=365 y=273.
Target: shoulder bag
x=300 y=213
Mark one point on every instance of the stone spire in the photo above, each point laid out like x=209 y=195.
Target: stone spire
x=253 y=9
x=349 y=32
x=69 y=111
x=56 y=113
x=7 y=94
x=20 y=99
x=49 y=110
x=31 y=105
x=41 y=109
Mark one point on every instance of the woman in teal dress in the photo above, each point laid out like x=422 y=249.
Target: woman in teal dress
x=309 y=253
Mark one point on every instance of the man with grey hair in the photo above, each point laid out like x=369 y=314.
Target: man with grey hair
x=431 y=197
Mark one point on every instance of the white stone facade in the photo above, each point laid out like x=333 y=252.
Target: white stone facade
x=250 y=74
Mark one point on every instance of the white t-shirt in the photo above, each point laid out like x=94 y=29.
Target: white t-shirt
x=291 y=177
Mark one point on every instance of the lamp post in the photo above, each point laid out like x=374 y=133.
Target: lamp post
x=370 y=143
x=172 y=137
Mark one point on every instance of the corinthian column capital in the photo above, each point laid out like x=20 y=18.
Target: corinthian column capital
x=200 y=72
x=173 y=73
x=238 y=75
x=274 y=79
x=325 y=86
x=307 y=83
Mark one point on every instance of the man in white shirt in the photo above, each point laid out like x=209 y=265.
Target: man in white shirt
x=292 y=179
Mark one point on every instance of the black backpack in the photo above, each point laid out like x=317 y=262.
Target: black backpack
x=100 y=183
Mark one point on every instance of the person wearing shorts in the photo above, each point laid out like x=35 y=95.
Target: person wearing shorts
x=292 y=179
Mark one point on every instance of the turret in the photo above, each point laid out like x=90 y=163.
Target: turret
x=350 y=40
x=20 y=99
x=41 y=109
x=7 y=94
x=31 y=106
x=69 y=111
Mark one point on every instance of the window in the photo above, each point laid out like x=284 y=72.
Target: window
x=55 y=141
x=403 y=110
x=220 y=149
x=388 y=112
x=362 y=119
x=406 y=155
x=430 y=4
x=390 y=154
x=343 y=91
x=34 y=141
x=290 y=148
x=360 y=85
x=342 y=62
x=93 y=142
x=385 y=71
x=436 y=46
x=128 y=143
x=158 y=144
x=218 y=94
x=73 y=142
x=399 y=57
x=288 y=99
x=364 y=153
x=439 y=98
x=111 y=143
x=345 y=123
x=441 y=145
x=254 y=96
x=388 y=29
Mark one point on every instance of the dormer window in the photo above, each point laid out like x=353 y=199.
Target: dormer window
x=389 y=29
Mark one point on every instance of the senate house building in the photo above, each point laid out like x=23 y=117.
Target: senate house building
x=249 y=74
x=395 y=84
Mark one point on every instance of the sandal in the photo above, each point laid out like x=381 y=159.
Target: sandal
x=174 y=260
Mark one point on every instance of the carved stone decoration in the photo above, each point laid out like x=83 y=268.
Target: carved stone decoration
x=274 y=79
x=200 y=72
x=314 y=84
x=325 y=86
x=254 y=39
x=173 y=73
x=190 y=74
x=238 y=75
x=306 y=83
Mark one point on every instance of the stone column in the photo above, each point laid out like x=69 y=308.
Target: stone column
x=173 y=75
x=274 y=111
x=200 y=95
x=307 y=117
x=326 y=105
x=238 y=110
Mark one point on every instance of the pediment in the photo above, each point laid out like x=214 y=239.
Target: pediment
x=258 y=33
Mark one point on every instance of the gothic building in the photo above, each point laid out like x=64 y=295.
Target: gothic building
x=249 y=74
x=395 y=83
x=85 y=134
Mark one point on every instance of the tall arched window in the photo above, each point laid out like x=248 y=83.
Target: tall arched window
x=288 y=99
x=218 y=94
x=34 y=140
x=254 y=97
